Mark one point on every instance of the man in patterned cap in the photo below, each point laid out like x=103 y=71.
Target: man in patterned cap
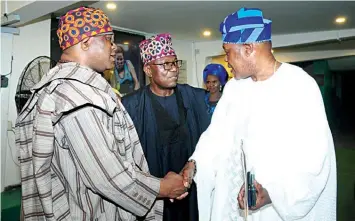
x=79 y=151
x=169 y=119
x=282 y=130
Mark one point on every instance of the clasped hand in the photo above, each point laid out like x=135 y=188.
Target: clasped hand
x=187 y=174
x=262 y=197
x=172 y=186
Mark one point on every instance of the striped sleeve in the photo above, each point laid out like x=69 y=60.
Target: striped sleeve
x=104 y=170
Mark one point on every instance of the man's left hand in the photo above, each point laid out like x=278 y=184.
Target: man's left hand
x=262 y=197
x=187 y=172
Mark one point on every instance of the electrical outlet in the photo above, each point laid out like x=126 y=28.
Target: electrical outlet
x=9 y=125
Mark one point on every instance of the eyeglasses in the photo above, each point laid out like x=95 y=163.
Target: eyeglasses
x=169 y=65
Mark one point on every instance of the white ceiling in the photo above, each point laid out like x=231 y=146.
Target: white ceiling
x=185 y=20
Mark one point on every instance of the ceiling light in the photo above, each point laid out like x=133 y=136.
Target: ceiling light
x=126 y=43
x=272 y=51
x=206 y=33
x=111 y=6
x=340 y=20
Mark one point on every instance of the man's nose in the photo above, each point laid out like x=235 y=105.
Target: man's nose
x=173 y=68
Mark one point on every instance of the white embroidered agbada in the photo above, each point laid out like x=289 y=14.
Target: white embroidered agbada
x=287 y=141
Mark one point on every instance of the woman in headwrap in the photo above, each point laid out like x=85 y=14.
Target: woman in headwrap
x=215 y=77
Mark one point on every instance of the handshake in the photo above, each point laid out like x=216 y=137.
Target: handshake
x=175 y=186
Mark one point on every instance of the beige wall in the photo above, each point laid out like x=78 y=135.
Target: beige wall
x=33 y=41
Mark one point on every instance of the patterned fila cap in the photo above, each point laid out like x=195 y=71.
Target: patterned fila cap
x=156 y=47
x=81 y=23
x=247 y=25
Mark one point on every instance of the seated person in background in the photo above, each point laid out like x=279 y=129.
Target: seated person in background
x=215 y=77
x=79 y=152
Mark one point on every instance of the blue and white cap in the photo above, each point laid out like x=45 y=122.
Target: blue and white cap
x=247 y=25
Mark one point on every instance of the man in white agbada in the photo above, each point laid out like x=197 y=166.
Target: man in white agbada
x=276 y=110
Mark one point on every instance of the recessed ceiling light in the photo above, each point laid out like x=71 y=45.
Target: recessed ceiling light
x=126 y=43
x=111 y=6
x=206 y=33
x=340 y=20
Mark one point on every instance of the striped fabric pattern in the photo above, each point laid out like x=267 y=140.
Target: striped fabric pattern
x=247 y=25
x=80 y=154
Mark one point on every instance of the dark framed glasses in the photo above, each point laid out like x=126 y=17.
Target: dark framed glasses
x=169 y=65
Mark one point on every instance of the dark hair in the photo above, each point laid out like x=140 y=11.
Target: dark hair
x=119 y=49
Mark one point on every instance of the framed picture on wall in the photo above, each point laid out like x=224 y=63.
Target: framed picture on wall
x=183 y=73
x=128 y=74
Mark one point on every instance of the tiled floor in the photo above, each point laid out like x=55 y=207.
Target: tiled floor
x=10 y=205
x=346 y=184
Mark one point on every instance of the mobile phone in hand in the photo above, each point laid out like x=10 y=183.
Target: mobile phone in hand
x=251 y=190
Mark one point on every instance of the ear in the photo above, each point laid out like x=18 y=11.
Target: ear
x=248 y=49
x=85 y=44
x=147 y=70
